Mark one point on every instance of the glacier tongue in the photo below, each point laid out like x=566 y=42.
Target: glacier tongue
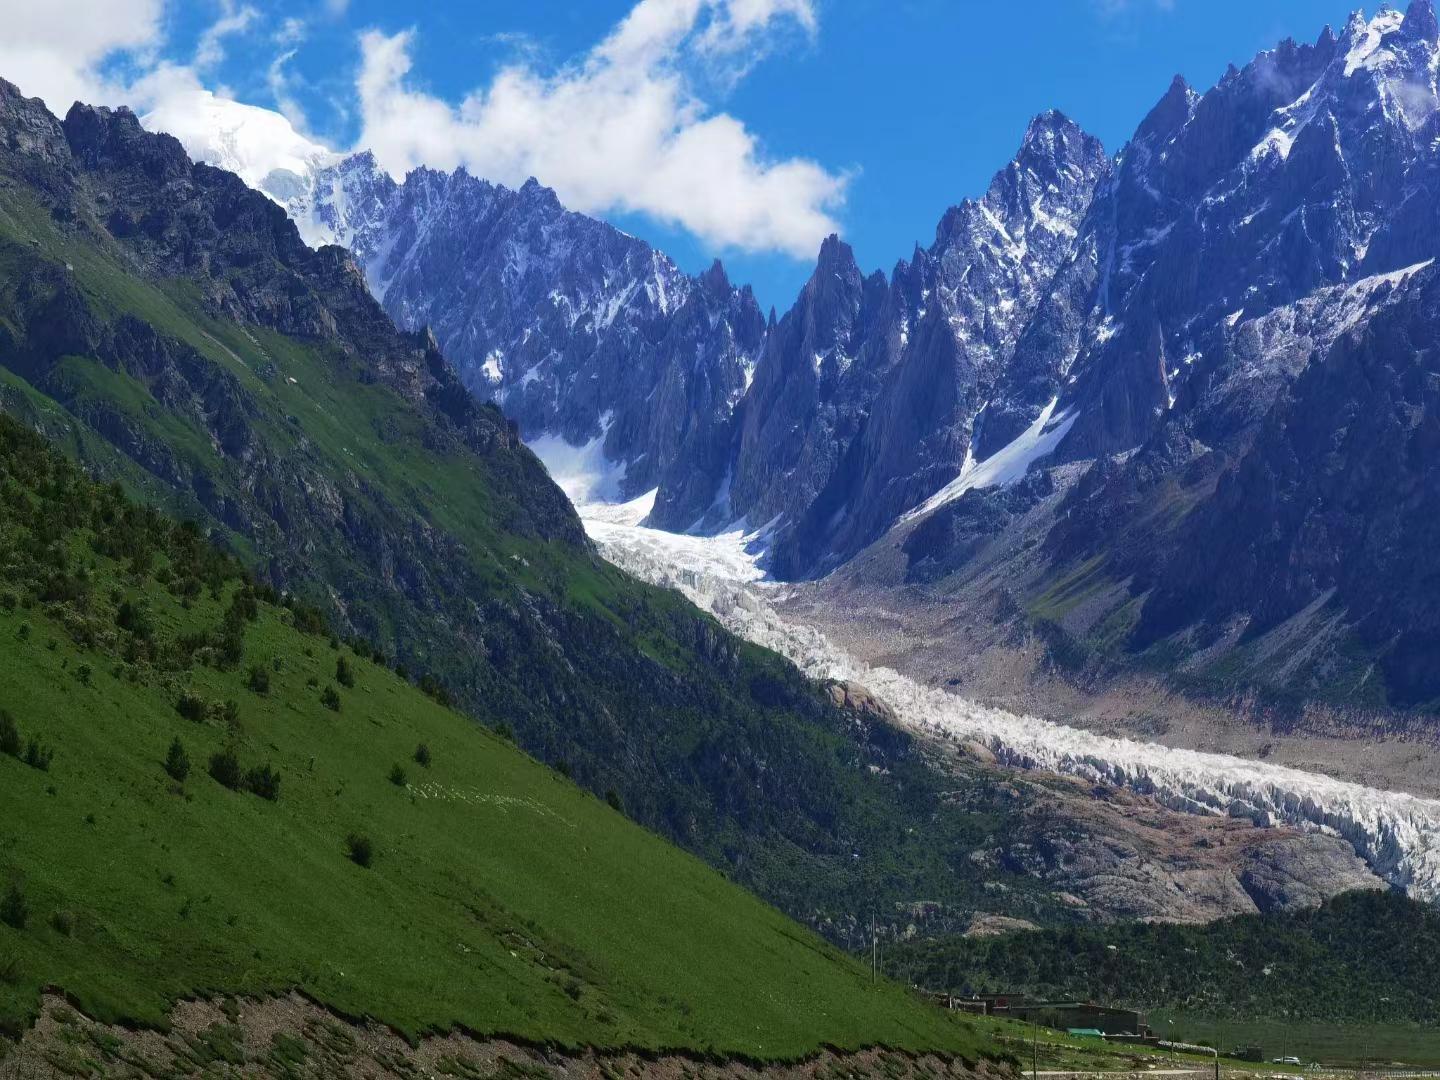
x=1397 y=834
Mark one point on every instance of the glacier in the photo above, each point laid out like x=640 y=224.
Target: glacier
x=1397 y=834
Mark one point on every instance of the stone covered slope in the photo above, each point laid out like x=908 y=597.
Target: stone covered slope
x=284 y=1037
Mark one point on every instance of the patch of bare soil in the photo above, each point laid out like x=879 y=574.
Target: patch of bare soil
x=292 y=1038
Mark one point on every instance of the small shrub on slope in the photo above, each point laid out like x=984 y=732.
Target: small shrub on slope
x=359 y=849
x=9 y=735
x=177 y=762
x=14 y=908
x=225 y=769
x=264 y=781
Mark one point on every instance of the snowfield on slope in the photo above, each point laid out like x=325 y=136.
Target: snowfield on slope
x=1398 y=835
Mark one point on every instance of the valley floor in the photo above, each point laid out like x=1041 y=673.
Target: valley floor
x=1396 y=834
x=927 y=639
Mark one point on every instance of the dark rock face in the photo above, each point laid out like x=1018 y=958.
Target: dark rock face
x=948 y=539
x=576 y=329
x=871 y=393
x=1337 y=502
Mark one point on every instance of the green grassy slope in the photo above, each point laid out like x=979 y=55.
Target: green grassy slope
x=501 y=897
x=165 y=326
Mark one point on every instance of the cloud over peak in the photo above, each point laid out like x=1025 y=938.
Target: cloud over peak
x=620 y=129
x=628 y=127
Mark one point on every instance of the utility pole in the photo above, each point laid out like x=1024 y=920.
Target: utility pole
x=1034 y=1048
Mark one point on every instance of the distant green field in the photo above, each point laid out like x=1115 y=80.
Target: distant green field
x=1330 y=1044
x=501 y=897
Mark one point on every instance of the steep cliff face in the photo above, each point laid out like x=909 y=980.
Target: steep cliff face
x=1305 y=169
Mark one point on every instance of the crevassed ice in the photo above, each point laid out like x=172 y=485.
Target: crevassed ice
x=1398 y=835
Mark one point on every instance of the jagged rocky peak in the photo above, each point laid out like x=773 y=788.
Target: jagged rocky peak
x=1057 y=149
x=865 y=400
x=715 y=280
x=101 y=137
x=32 y=134
x=832 y=295
x=533 y=192
x=1170 y=113
x=1053 y=172
x=836 y=260
x=1420 y=22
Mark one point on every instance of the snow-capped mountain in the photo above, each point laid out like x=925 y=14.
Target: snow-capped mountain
x=1245 y=335
x=590 y=339
x=870 y=392
x=1312 y=166
x=259 y=146
x=1161 y=306
x=583 y=334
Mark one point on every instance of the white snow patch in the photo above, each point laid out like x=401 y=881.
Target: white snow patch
x=584 y=473
x=735 y=554
x=1007 y=465
x=1395 y=277
x=493 y=367
x=628 y=514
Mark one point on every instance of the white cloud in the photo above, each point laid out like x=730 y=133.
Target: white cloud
x=624 y=128
x=210 y=49
x=1114 y=8
x=55 y=49
x=621 y=129
x=253 y=142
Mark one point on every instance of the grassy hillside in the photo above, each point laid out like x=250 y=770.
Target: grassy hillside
x=165 y=326
x=498 y=895
x=1362 y=957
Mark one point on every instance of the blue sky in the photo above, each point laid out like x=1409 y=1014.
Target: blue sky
x=894 y=108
